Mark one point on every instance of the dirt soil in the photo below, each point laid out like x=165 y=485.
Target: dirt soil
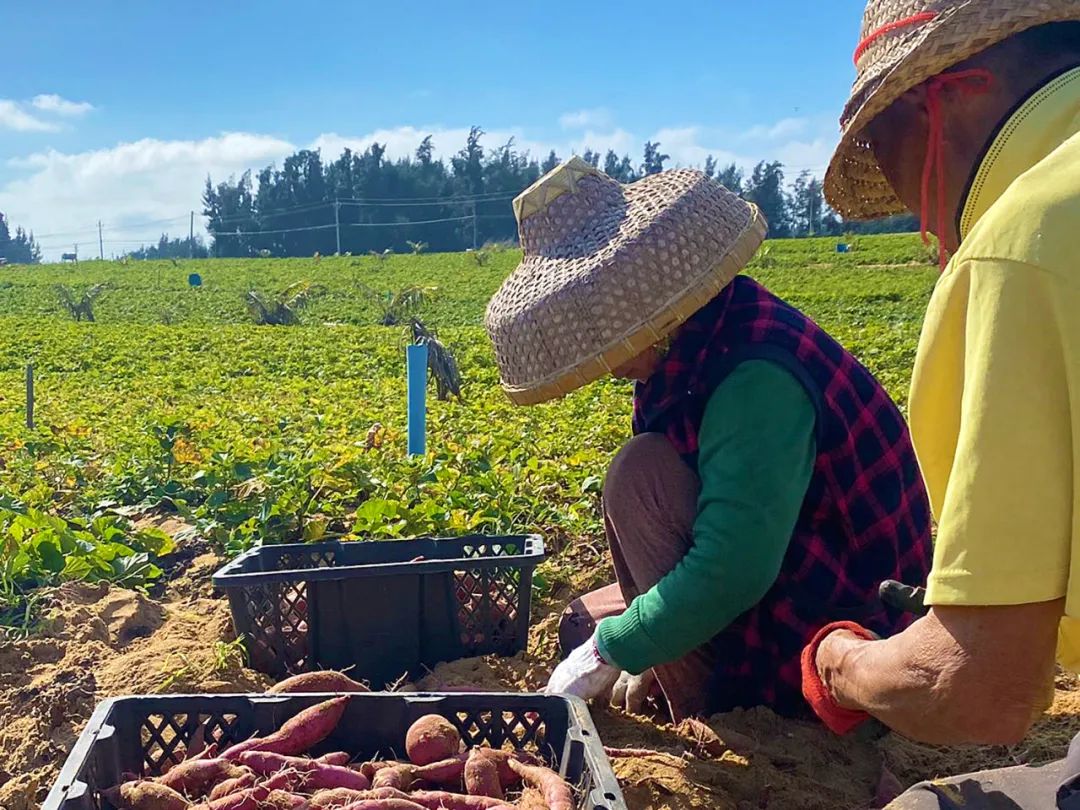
x=96 y=642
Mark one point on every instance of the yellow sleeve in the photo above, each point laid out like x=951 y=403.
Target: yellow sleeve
x=1004 y=529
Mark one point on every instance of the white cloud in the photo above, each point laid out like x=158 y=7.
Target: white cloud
x=597 y=117
x=139 y=190
x=14 y=117
x=785 y=128
x=58 y=105
x=144 y=188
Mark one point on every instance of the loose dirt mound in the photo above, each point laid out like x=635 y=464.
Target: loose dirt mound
x=97 y=642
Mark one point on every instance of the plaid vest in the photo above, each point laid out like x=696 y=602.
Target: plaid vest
x=866 y=516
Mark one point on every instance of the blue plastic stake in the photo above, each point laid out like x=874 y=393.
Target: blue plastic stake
x=416 y=370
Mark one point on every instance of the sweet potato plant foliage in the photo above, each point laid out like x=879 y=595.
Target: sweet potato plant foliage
x=173 y=400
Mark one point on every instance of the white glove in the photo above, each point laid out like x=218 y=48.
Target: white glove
x=631 y=691
x=584 y=674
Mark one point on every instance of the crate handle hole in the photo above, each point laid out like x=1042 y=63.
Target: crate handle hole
x=609 y=796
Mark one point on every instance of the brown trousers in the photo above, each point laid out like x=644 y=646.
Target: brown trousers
x=650 y=502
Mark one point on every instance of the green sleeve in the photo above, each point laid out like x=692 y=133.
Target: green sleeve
x=755 y=458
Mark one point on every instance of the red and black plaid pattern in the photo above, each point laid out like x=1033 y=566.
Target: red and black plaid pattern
x=866 y=516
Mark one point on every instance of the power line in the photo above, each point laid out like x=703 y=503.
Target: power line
x=264 y=233
x=403 y=222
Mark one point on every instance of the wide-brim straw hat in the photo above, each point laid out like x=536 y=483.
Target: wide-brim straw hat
x=904 y=43
x=610 y=270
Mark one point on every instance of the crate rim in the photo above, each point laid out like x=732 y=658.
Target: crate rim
x=534 y=553
x=68 y=784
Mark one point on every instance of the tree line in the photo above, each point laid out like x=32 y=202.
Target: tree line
x=20 y=248
x=372 y=203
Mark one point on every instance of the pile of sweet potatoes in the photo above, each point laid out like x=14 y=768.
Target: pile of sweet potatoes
x=275 y=772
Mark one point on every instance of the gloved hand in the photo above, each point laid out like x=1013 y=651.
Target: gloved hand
x=631 y=691
x=584 y=674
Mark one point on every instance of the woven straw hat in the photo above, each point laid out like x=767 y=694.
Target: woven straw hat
x=904 y=43
x=610 y=270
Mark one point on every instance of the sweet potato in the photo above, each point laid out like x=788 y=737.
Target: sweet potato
x=445 y=772
x=335 y=798
x=507 y=776
x=399 y=777
x=556 y=791
x=308 y=773
x=436 y=799
x=372 y=767
x=247 y=799
x=282 y=800
x=384 y=804
x=234 y=785
x=482 y=776
x=334 y=776
x=197 y=777
x=337 y=758
x=430 y=739
x=325 y=681
x=146 y=795
x=310 y=727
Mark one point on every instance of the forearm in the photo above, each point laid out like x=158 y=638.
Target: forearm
x=701 y=597
x=944 y=680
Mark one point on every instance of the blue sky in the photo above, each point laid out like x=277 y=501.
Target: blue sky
x=118 y=110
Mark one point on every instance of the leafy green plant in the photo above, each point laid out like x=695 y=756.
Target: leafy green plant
x=482 y=256
x=284 y=309
x=39 y=549
x=80 y=307
x=397 y=307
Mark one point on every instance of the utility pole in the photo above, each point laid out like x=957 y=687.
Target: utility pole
x=100 y=243
x=474 y=236
x=191 y=237
x=337 y=225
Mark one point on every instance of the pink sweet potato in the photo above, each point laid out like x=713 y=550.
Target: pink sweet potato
x=234 y=785
x=436 y=799
x=334 y=776
x=247 y=799
x=507 y=776
x=335 y=798
x=337 y=758
x=430 y=739
x=308 y=728
x=325 y=681
x=556 y=791
x=384 y=804
x=482 y=776
x=372 y=767
x=197 y=777
x=399 y=777
x=146 y=795
x=308 y=773
x=282 y=800
x=445 y=772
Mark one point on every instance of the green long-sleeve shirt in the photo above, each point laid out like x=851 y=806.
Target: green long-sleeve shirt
x=756 y=452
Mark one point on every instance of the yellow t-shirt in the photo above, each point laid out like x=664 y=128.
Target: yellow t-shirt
x=995 y=395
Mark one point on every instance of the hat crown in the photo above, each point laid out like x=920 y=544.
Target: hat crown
x=571 y=210
x=888 y=24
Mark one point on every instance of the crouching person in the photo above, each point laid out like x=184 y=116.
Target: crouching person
x=770 y=486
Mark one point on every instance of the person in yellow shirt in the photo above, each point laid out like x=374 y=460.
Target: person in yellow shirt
x=967 y=112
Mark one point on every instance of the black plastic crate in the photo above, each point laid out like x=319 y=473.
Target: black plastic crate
x=381 y=609
x=142 y=734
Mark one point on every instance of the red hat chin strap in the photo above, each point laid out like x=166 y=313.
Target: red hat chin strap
x=968 y=82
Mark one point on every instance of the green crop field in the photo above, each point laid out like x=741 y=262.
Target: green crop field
x=174 y=399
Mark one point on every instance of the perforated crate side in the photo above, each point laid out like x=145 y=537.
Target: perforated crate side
x=143 y=734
